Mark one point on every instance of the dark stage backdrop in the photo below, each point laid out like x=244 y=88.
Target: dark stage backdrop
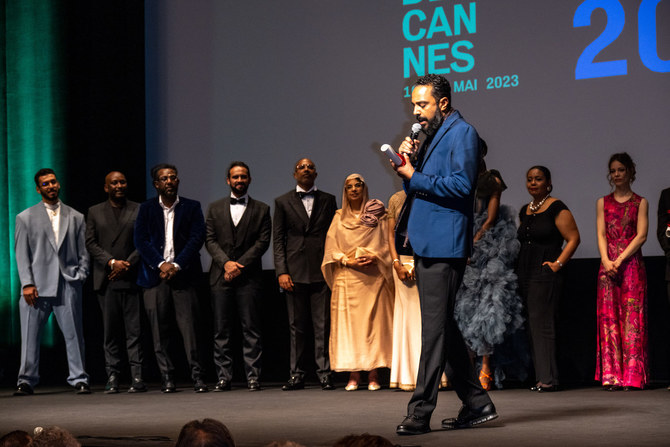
x=72 y=97
x=563 y=83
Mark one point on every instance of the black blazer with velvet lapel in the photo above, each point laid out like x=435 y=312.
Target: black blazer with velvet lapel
x=244 y=244
x=299 y=239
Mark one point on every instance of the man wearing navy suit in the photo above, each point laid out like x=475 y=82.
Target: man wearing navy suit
x=440 y=186
x=109 y=239
x=169 y=232
x=301 y=220
x=52 y=263
x=238 y=233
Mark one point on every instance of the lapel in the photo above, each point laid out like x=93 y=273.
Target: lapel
x=451 y=119
x=243 y=224
x=228 y=219
x=63 y=223
x=43 y=221
x=299 y=208
x=316 y=207
x=109 y=219
x=178 y=213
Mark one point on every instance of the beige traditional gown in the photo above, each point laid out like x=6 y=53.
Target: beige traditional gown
x=406 y=319
x=361 y=305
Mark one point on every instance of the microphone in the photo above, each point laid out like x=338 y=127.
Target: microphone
x=393 y=155
x=416 y=128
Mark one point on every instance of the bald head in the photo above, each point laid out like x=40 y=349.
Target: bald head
x=116 y=186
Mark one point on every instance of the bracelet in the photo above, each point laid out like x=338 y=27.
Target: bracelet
x=559 y=263
x=396 y=260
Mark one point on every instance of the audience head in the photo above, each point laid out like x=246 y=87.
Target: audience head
x=16 y=438
x=617 y=162
x=364 y=440
x=284 y=444
x=53 y=437
x=205 y=433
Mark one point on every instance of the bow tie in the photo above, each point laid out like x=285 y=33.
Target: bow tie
x=234 y=201
x=305 y=194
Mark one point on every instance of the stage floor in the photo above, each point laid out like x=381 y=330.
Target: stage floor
x=581 y=416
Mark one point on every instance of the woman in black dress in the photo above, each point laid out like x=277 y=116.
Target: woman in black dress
x=545 y=223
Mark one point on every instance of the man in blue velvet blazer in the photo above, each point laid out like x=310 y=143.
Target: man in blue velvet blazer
x=440 y=186
x=169 y=232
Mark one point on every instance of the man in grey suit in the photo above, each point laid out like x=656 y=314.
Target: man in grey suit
x=53 y=263
x=109 y=240
x=301 y=220
x=238 y=233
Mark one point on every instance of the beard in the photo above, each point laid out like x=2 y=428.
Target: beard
x=433 y=125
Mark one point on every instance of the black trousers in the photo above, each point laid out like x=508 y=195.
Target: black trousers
x=309 y=303
x=442 y=345
x=121 y=325
x=541 y=295
x=164 y=304
x=239 y=299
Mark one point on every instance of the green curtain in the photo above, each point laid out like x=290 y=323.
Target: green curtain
x=32 y=129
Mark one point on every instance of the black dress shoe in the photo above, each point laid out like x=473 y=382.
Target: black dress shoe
x=82 y=388
x=168 y=385
x=199 y=386
x=413 y=426
x=327 y=383
x=23 y=389
x=138 y=386
x=535 y=388
x=294 y=383
x=253 y=385
x=468 y=417
x=222 y=385
x=112 y=386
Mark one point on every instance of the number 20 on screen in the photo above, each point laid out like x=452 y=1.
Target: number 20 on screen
x=647 y=47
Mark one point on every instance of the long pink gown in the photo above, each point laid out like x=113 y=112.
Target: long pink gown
x=622 y=302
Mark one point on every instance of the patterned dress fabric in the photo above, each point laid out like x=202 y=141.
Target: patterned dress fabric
x=622 y=302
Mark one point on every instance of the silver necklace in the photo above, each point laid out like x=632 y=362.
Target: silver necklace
x=534 y=208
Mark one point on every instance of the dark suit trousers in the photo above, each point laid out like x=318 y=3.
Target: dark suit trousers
x=121 y=323
x=164 y=304
x=309 y=302
x=442 y=345
x=241 y=298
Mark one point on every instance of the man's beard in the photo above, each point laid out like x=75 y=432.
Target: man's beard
x=433 y=125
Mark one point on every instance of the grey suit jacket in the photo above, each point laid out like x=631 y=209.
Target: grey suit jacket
x=41 y=259
x=245 y=244
x=108 y=239
x=298 y=239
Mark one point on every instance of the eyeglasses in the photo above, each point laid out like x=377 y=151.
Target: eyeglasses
x=354 y=185
x=305 y=166
x=165 y=178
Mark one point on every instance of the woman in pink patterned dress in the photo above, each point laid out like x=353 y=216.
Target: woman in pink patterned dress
x=622 y=282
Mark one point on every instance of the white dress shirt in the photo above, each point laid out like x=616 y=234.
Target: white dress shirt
x=168 y=218
x=307 y=201
x=237 y=209
x=54 y=216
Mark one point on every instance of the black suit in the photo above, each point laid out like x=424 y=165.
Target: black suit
x=177 y=298
x=245 y=244
x=109 y=235
x=298 y=251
